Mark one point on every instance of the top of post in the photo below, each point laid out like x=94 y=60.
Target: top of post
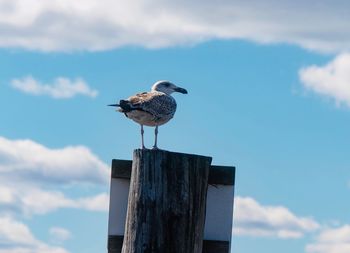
x=171 y=153
x=221 y=175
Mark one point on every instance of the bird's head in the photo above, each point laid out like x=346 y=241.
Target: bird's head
x=167 y=87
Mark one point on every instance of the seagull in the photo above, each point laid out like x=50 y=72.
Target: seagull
x=153 y=108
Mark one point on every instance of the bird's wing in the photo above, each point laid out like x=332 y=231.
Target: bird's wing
x=156 y=103
x=139 y=99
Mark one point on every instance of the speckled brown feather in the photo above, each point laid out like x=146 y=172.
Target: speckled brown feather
x=151 y=108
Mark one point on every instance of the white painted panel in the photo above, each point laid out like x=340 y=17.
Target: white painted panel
x=218 y=221
x=118 y=206
x=218 y=224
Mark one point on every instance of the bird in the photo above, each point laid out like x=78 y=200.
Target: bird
x=153 y=108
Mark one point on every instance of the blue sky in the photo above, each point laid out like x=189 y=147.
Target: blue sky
x=269 y=92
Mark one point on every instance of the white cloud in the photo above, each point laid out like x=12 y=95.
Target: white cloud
x=61 y=87
x=34 y=180
x=31 y=161
x=16 y=237
x=13 y=232
x=59 y=235
x=6 y=195
x=95 y=203
x=32 y=200
x=43 y=248
x=254 y=219
x=332 y=80
x=37 y=201
x=331 y=240
x=98 y=25
x=35 y=167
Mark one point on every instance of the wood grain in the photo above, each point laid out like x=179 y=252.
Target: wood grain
x=115 y=243
x=166 y=205
x=222 y=175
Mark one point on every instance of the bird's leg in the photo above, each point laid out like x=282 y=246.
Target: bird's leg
x=142 y=141
x=155 y=138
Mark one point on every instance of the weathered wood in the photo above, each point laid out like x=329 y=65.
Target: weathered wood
x=166 y=205
x=223 y=175
x=115 y=243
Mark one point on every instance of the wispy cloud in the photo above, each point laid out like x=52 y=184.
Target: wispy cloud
x=59 y=235
x=331 y=80
x=36 y=200
x=16 y=237
x=35 y=180
x=63 y=25
x=253 y=219
x=29 y=160
x=94 y=203
x=331 y=240
x=60 y=88
x=38 y=168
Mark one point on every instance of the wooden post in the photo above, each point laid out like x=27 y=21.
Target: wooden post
x=166 y=205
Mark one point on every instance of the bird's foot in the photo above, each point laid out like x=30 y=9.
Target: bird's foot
x=155 y=148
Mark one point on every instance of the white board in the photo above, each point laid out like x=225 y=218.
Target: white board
x=219 y=212
x=118 y=205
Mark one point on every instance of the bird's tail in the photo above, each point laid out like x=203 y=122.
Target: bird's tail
x=124 y=106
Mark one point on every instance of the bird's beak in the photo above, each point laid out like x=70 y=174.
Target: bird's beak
x=181 y=90
x=113 y=105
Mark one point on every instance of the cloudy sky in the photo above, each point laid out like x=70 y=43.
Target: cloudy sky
x=269 y=92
